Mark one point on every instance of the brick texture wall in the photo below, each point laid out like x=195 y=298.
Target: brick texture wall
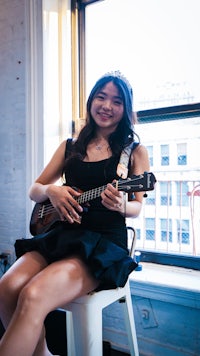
x=13 y=123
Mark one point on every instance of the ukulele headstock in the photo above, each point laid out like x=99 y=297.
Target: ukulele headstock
x=138 y=183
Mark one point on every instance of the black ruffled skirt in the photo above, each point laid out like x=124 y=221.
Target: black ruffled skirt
x=107 y=261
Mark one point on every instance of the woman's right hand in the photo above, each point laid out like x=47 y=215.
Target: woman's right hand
x=63 y=199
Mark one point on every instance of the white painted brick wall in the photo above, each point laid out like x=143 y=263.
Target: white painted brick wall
x=12 y=122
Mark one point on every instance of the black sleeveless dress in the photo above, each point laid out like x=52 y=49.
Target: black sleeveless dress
x=101 y=238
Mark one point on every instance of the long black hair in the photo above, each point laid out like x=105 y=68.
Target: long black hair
x=124 y=133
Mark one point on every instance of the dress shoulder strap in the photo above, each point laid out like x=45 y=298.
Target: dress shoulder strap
x=68 y=147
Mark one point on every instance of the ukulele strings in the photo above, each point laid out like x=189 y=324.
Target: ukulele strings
x=48 y=208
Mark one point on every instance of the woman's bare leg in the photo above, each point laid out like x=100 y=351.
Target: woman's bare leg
x=42 y=348
x=11 y=283
x=19 y=274
x=56 y=285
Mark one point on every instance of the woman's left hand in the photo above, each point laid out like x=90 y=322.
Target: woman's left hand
x=112 y=199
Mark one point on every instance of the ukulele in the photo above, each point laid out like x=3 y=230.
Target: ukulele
x=44 y=215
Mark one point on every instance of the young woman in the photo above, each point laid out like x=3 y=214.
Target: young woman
x=86 y=249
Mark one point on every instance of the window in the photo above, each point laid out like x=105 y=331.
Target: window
x=182 y=189
x=150 y=153
x=150 y=199
x=166 y=230
x=150 y=229
x=57 y=74
x=138 y=232
x=164 y=149
x=151 y=44
x=167 y=99
x=181 y=154
x=165 y=193
x=183 y=231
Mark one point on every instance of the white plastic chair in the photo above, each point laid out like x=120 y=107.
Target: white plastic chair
x=84 y=318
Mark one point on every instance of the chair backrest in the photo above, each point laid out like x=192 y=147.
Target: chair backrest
x=132 y=236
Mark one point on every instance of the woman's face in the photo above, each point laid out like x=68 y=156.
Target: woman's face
x=107 y=107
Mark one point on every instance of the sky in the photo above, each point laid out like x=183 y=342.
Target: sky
x=155 y=43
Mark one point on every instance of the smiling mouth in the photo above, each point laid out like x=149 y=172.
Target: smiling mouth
x=104 y=115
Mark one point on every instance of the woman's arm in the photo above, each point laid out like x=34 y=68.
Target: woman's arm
x=61 y=197
x=117 y=201
x=51 y=173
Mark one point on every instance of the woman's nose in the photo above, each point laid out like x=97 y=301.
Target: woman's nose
x=107 y=105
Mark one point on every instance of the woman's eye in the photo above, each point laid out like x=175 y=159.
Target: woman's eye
x=101 y=97
x=118 y=102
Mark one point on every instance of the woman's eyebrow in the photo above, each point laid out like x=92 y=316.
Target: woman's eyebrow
x=115 y=96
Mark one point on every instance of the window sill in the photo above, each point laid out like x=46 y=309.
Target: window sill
x=167 y=283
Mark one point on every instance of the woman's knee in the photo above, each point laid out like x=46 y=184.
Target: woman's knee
x=31 y=298
x=26 y=300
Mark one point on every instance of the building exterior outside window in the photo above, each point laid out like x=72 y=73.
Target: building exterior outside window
x=171 y=206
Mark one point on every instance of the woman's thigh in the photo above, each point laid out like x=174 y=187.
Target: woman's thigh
x=60 y=283
x=21 y=272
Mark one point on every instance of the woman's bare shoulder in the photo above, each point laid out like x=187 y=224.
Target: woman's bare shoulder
x=140 y=159
x=140 y=150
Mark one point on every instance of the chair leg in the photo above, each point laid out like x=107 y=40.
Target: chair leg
x=70 y=335
x=130 y=323
x=86 y=323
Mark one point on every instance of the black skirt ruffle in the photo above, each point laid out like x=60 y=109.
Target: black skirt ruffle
x=107 y=261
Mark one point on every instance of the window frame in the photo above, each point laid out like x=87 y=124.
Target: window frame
x=162 y=258
x=178 y=112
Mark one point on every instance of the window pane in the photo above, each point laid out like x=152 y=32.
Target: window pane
x=166 y=230
x=57 y=105
x=177 y=192
x=130 y=42
x=164 y=155
x=165 y=193
x=150 y=199
x=182 y=189
x=182 y=154
x=183 y=231
x=150 y=153
x=158 y=63
x=150 y=229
